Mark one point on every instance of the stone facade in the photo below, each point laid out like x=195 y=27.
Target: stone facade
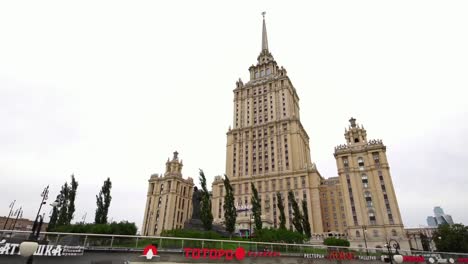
x=332 y=206
x=373 y=215
x=415 y=235
x=169 y=200
x=268 y=146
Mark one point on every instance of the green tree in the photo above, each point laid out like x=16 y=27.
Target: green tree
x=103 y=201
x=282 y=216
x=256 y=207
x=71 y=199
x=53 y=216
x=63 y=205
x=425 y=242
x=297 y=218
x=229 y=207
x=205 y=210
x=451 y=238
x=305 y=219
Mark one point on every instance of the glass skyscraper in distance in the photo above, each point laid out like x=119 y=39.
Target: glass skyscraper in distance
x=439 y=218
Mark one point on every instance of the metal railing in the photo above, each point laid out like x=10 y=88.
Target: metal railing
x=105 y=242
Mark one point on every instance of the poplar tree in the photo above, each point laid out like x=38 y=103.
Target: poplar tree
x=305 y=220
x=282 y=216
x=297 y=218
x=71 y=199
x=229 y=207
x=205 y=210
x=256 y=208
x=63 y=205
x=103 y=201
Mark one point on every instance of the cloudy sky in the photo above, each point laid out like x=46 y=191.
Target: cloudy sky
x=111 y=88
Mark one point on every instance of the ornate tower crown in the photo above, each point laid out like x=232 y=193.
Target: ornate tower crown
x=355 y=134
x=174 y=167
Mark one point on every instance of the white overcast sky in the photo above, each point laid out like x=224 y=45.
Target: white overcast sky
x=111 y=88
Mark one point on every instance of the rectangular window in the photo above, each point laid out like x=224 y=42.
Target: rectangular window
x=376 y=157
x=345 y=162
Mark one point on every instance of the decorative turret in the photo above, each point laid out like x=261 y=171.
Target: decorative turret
x=355 y=134
x=174 y=167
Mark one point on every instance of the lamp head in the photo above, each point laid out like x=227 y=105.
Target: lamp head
x=27 y=248
x=398 y=258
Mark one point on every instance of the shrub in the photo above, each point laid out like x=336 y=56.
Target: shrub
x=332 y=241
x=278 y=235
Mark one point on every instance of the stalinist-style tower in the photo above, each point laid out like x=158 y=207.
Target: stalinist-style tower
x=269 y=147
x=372 y=211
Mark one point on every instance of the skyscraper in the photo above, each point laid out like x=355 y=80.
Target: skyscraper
x=268 y=146
x=439 y=218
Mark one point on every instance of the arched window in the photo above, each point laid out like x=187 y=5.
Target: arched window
x=162 y=188
x=394 y=232
x=358 y=234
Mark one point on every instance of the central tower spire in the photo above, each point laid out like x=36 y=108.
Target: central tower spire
x=264 y=34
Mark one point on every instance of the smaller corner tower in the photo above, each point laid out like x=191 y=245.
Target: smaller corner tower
x=372 y=211
x=169 y=199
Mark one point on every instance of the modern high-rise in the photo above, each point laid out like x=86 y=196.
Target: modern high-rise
x=268 y=146
x=439 y=218
x=169 y=199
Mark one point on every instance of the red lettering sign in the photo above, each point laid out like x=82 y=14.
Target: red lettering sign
x=462 y=260
x=340 y=255
x=413 y=259
x=239 y=253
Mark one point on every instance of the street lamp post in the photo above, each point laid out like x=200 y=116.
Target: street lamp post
x=364 y=231
x=27 y=248
x=9 y=214
x=18 y=214
x=45 y=196
x=391 y=245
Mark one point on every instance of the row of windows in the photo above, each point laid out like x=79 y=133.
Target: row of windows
x=237 y=188
x=360 y=160
x=263 y=157
x=258 y=118
x=375 y=233
x=262 y=73
x=181 y=190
